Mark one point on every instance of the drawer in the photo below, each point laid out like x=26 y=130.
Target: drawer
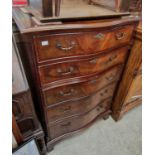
x=65 y=70
x=80 y=43
x=79 y=90
x=69 y=109
x=76 y=122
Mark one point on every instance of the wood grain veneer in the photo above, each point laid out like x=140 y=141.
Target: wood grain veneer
x=25 y=122
x=75 y=44
x=50 y=50
x=65 y=70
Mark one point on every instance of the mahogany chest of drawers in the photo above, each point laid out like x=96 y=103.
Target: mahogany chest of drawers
x=74 y=69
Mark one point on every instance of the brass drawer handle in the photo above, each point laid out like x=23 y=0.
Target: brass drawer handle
x=69 y=71
x=103 y=93
x=120 y=36
x=100 y=107
x=93 y=61
x=99 y=36
x=65 y=125
x=93 y=81
x=69 y=93
x=66 y=109
x=71 y=45
x=111 y=59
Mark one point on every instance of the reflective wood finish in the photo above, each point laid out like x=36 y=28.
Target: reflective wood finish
x=79 y=90
x=24 y=114
x=76 y=122
x=56 y=46
x=73 y=67
x=78 y=107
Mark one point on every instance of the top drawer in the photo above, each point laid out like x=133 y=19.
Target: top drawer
x=82 y=43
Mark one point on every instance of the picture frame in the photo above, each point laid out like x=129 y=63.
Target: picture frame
x=28 y=148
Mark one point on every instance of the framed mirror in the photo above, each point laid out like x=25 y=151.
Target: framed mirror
x=28 y=148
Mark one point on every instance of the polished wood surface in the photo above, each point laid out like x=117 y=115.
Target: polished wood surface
x=75 y=44
x=27 y=24
x=69 y=10
x=68 y=83
x=79 y=90
x=106 y=91
x=79 y=107
x=129 y=92
x=77 y=122
x=66 y=70
x=23 y=110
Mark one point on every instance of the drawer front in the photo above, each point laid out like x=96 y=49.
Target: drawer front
x=79 y=107
x=75 y=123
x=51 y=73
x=75 y=91
x=74 y=44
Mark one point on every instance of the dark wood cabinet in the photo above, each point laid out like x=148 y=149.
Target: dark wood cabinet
x=74 y=69
x=80 y=44
x=70 y=69
x=77 y=122
x=129 y=92
x=22 y=104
